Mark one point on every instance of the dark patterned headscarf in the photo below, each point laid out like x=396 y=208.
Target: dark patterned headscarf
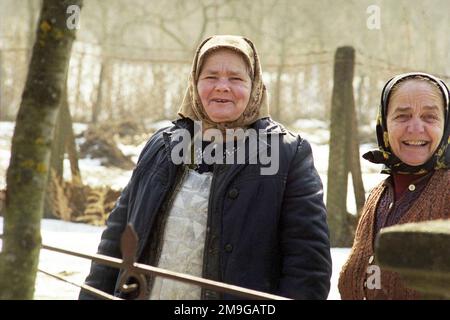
x=441 y=157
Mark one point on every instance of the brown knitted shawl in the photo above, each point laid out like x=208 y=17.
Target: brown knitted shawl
x=432 y=203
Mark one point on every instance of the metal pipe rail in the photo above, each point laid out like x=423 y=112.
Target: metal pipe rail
x=135 y=270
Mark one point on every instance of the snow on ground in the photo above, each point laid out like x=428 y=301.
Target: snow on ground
x=94 y=174
x=6 y=132
x=85 y=238
x=66 y=235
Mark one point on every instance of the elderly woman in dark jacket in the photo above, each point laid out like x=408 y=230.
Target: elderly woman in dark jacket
x=229 y=222
x=413 y=135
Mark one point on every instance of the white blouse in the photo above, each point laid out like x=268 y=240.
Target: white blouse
x=184 y=238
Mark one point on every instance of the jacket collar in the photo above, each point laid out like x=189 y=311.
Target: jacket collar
x=264 y=125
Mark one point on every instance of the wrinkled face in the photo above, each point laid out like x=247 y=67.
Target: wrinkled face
x=415 y=121
x=224 y=85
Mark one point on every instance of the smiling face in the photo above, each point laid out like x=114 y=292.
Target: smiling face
x=415 y=121
x=224 y=85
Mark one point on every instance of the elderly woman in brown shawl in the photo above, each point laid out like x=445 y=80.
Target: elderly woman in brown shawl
x=223 y=220
x=413 y=135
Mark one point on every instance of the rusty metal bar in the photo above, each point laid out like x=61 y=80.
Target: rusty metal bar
x=134 y=269
x=92 y=290
x=150 y=270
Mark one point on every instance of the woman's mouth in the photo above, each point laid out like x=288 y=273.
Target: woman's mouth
x=221 y=100
x=415 y=143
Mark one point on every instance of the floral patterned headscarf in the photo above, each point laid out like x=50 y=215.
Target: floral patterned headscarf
x=441 y=157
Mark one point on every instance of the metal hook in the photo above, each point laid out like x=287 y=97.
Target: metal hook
x=128 y=246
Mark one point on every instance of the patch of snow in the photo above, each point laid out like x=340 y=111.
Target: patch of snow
x=94 y=174
x=155 y=126
x=6 y=133
x=79 y=128
x=130 y=150
x=308 y=124
x=79 y=141
x=6 y=129
x=339 y=257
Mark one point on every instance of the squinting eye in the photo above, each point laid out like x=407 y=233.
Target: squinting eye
x=236 y=79
x=207 y=77
x=401 y=117
x=431 y=117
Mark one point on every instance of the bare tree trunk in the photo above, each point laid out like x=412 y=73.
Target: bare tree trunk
x=355 y=163
x=55 y=174
x=360 y=101
x=110 y=89
x=323 y=92
x=307 y=78
x=122 y=99
x=63 y=140
x=159 y=96
x=372 y=94
x=78 y=93
x=337 y=164
x=59 y=139
x=98 y=105
x=2 y=107
x=72 y=151
x=99 y=102
x=277 y=95
x=278 y=85
x=341 y=160
x=33 y=7
x=31 y=148
x=295 y=102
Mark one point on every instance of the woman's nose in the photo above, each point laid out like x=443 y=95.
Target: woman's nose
x=416 y=125
x=222 y=85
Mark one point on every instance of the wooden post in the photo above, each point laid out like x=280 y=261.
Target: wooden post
x=344 y=150
x=420 y=253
